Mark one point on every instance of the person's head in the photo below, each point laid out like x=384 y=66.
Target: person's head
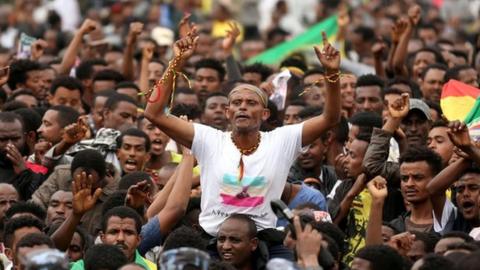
x=431 y=81
x=428 y=34
x=16 y=229
x=54 y=121
x=213 y=113
x=132 y=266
x=348 y=83
x=363 y=122
x=355 y=153
x=192 y=112
x=133 y=150
x=25 y=73
x=12 y=132
x=99 y=106
x=463 y=73
x=120 y=112
x=92 y=163
x=405 y=85
x=377 y=257
x=433 y=262
x=29 y=243
x=80 y=242
x=470 y=262
x=209 y=75
x=468 y=194
x=418 y=165
x=22 y=208
x=106 y=79
x=155 y=71
x=87 y=68
x=416 y=124
x=247 y=108
x=165 y=173
x=158 y=139
x=8 y=197
x=424 y=57
x=66 y=91
x=362 y=39
x=128 y=88
x=237 y=240
x=368 y=94
x=185 y=95
x=104 y=257
x=121 y=227
x=423 y=244
x=439 y=141
x=59 y=206
x=184 y=237
x=134 y=178
x=453 y=237
x=26 y=96
x=292 y=111
x=256 y=73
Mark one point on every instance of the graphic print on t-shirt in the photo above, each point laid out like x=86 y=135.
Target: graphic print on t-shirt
x=249 y=192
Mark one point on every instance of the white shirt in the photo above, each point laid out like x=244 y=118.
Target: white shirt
x=265 y=174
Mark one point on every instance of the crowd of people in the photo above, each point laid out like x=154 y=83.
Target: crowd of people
x=139 y=134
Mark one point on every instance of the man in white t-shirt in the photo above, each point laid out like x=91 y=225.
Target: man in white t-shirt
x=243 y=170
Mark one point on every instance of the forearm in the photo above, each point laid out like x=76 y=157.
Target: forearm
x=182 y=187
x=443 y=180
x=376 y=156
x=63 y=235
x=233 y=72
x=401 y=52
x=344 y=208
x=61 y=148
x=391 y=54
x=374 y=226
x=379 y=69
x=127 y=65
x=333 y=104
x=162 y=197
x=70 y=55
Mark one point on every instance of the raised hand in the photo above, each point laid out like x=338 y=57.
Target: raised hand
x=88 y=26
x=134 y=31
x=147 y=52
x=229 y=40
x=184 y=27
x=138 y=195
x=37 y=48
x=458 y=134
x=185 y=47
x=308 y=245
x=378 y=48
x=16 y=158
x=378 y=188
x=40 y=149
x=398 y=29
x=414 y=14
x=83 y=199
x=402 y=242
x=399 y=108
x=328 y=56
x=76 y=132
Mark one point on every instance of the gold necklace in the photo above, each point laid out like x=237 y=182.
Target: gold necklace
x=244 y=152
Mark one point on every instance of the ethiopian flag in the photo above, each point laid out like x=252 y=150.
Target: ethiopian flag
x=313 y=36
x=458 y=100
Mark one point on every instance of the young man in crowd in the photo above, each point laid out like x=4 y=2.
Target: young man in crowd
x=66 y=91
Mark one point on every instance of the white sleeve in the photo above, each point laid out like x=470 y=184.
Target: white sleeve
x=449 y=211
x=205 y=140
x=289 y=139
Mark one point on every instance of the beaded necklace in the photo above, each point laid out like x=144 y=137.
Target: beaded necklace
x=244 y=152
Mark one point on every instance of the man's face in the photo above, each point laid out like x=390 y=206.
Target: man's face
x=347 y=89
x=8 y=197
x=59 y=206
x=122 y=232
x=468 y=195
x=12 y=133
x=469 y=76
x=439 y=142
x=99 y=86
x=214 y=113
x=314 y=90
x=97 y=112
x=432 y=84
x=313 y=157
x=75 y=249
x=186 y=99
x=416 y=128
x=50 y=130
x=428 y=35
x=122 y=117
x=355 y=153
x=19 y=234
x=252 y=78
x=34 y=81
x=132 y=154
x=31 y=101
x=360 y=264
x=414 y=179
x=67 y=97
x=369 y=99
x=155 y=72
x=291 y=115
x=207 y=80
x=47 y=76
x=158 y=139
x=421 y=61
x=245 y=111
x=234 y=244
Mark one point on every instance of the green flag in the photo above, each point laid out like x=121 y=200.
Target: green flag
x=313 y=36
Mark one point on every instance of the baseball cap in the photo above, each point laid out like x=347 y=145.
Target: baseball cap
x=418 y=104
x=162 y=36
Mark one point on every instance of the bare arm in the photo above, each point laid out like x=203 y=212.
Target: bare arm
x=377 y=50
x=399 y=66
x=346 y=203
x=314 y=127
x=174 y=127
x=71 y=52
x=378 y=190
x=162 y=197
x=127 y=65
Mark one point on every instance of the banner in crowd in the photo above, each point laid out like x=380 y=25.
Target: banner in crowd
x=313 y=36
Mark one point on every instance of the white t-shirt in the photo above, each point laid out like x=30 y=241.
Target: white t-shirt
x=265 y=174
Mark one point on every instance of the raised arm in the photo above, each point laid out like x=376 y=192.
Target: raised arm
x=347 y=201
x=460 y=137
x=70 y=55
x=135 y=30
x=314 y=127
x=174 y=127
x=161 y=198
x=233 y=72
x=377 y=49
x=407 y=25
x=378 y=190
